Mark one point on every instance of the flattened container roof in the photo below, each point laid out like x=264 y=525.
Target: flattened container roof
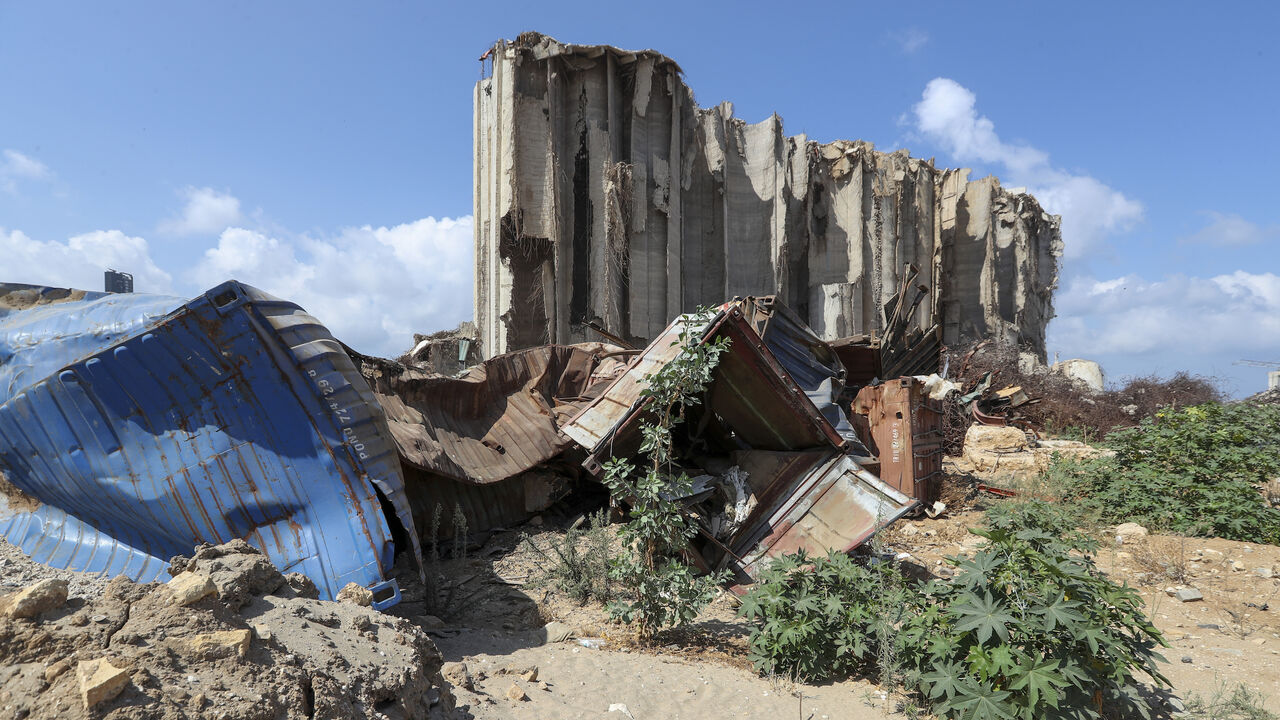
x=134 y=427
x=750 y=391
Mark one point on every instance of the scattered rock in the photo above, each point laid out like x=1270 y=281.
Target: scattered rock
x=544 y=686
x=34 y=599
x=188 y=587
x=356 y=595
x=1187 y=659
x=1129 y=532
x=238 y=570
x=429 y=622
x=1264 y=572
x=516 y=694
x=54 y=671
x=530 y=675
x=302 y=586
x=1188 y=595
x=225 y=643
x=458 y=674
x=100 y=681
x=201 y=662
x=558 y=632
x=1238 y=566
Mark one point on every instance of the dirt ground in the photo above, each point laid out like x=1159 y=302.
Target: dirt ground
x=1230 y=636
x=495 y=614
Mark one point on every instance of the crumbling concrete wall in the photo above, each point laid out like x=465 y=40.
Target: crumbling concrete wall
x=604 y=193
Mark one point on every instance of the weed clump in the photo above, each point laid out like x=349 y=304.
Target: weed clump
x=577 y=563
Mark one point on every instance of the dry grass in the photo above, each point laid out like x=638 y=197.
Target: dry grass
x=1066 y=407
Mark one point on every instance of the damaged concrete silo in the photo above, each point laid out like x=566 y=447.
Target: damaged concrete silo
x=605 y=194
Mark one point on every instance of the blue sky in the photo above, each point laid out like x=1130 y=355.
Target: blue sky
x=323 y=150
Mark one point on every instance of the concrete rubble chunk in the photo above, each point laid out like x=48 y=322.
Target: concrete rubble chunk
x=458 y=674
x=100 y=681
x=54 y=671
x=1084 y=372
x=1188 y=595
x=220 y=644
x=189 y=587
x=990 y=438
x=356 y=595
x=34 y=599
x=1129 y=532
x=558 y=632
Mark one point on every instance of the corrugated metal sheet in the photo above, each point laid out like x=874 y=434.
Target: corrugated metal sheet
x=816 y=501
x=602 y=417
x=145 y=425
x=498 y=420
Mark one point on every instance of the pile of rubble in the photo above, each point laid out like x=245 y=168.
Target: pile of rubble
x=229 y=636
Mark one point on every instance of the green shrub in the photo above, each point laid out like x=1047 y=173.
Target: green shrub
x=819 y=617
x=660 y=589
x=1027 y=629
x=1194 y=471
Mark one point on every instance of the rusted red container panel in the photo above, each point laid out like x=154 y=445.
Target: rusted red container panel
x=906 y=434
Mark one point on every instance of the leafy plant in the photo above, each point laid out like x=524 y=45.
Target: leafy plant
x=1193 y=471
x=1029 y=628
x=661 y=590
x=580 y=572
x=819 y=617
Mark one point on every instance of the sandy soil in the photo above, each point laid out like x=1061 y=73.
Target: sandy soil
x=1226 y=638
x=492 y=609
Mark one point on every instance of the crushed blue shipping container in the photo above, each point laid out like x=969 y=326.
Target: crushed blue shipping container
x=135 y=427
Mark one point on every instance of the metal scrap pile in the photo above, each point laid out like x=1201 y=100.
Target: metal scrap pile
x=135 y=427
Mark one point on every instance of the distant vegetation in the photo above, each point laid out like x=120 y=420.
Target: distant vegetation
x=1203 y=470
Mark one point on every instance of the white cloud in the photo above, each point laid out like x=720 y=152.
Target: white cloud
x=207 y=212
x=910 y=40
x=1228 y=229
x=1091 y=211
x=372 y=287
x=16 y=167
x=80 y=261
x=1179 y=318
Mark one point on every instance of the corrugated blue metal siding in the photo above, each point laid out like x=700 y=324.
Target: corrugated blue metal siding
x=236 y=415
